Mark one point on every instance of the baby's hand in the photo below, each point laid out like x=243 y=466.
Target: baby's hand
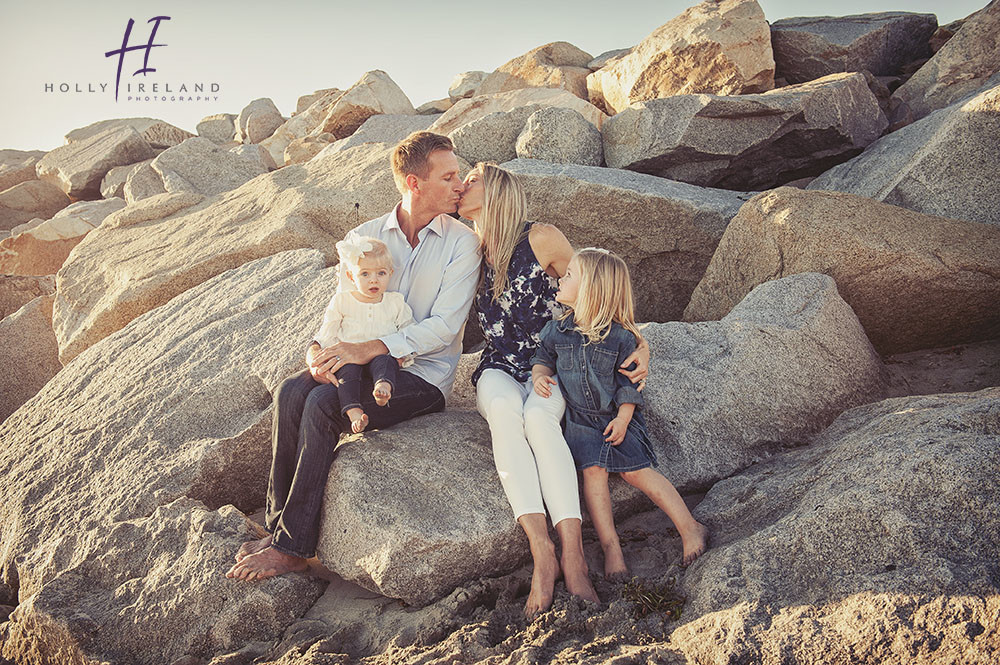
x=542 y=385
x=617 y=428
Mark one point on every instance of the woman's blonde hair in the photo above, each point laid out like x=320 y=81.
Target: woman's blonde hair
x=501 y=221
x=604 y=295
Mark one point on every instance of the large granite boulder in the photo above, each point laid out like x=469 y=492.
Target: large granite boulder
x=29 y=355
x=157 y=133
x=218 y=128
x=17 y=166
x=720 y=47
x=149 y=591
x=554 y=65
x=257 y=121
x=79 y=167
x=562 y=136
x=16 y=291
x=435 y=107
x=41 y=247
x=113 y=184
x=384 y=128
x=414 y=523
x=142 y=182
x=304 y=149
x=300 y=125
x=775 y=371
x=493 y=137
x=199 y=165
x=465 y=85
x=959 y=69
x=915 y=281
x=305 y=101
x=952 y=369
x=666 y=231
x=467 y=110
x=120 y=271
x=944 y=164
x=175 y=405
x=877 y=543
x=809 y=48
x=30 y=199
x=374 y=93
x=747 y=141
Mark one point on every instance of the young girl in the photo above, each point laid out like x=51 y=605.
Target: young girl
x=605 y=430
x=363 y=314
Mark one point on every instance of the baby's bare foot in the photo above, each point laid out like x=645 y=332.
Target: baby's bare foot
x=382 y=392
x=695 y=541
x=359 y=420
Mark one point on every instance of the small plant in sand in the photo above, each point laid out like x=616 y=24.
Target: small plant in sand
x=654 y=598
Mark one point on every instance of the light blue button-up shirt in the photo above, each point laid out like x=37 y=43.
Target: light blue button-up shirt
x=438 y=280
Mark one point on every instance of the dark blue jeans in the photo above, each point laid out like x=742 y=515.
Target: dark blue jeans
x=307 y=424
x=381 y=368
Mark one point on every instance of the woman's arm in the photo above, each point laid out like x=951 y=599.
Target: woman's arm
x=641 y=359
x=551 y=248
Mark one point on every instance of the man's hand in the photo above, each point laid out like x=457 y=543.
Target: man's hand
x=315 y=358
x=542 y=384
x=332 y=358
x=617 y=429
x=641 y=359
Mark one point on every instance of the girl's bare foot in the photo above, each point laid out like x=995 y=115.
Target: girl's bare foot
x=252 y=547
x=615 y=569
x=359 y=420
x=266 y=563
x=382 y=392
x=543 y=582
x=694 y=541
x=577 y=577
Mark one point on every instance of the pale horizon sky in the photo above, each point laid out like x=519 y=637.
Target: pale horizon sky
x=253 y=49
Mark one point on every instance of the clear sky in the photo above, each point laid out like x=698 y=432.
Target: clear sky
x=282 y=50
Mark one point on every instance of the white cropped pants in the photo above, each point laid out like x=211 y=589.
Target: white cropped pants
x=530 y=453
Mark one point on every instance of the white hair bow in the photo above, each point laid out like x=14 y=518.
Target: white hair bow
x=352 y=248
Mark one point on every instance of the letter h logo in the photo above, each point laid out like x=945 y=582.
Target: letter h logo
x=125 y=48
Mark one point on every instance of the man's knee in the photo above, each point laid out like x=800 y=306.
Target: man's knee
x=293 y=388
x=322 y=403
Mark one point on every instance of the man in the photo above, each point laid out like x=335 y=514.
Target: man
x=437 y=262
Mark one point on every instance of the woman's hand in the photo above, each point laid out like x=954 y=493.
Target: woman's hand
x=542 y=384
x=641 y=359
x=615 y=431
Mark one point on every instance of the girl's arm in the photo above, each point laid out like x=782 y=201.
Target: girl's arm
x=551 y=248
x=615 y=431
x=543 y=363
x=541 y=379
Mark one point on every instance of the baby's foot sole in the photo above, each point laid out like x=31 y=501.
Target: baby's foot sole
x=382 y=393
x=359 y=424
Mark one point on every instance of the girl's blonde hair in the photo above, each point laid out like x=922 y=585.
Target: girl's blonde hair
x=604 y=295
x=501 y=222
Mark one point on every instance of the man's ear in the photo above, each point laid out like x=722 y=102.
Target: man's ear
x=412 y=183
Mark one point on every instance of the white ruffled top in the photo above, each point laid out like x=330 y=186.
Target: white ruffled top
x=347 y=319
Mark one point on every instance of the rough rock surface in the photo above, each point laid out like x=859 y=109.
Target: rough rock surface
x=465 y=84
x=118 y=272
x=607 y=57
x=944 y=164
x=300 y=125
x=304 y=149
x=385 y=128
x=218 y=128
x=257 y=121
x=960 y=368
x=113 y=184
x=149 y=591
x=435 y=106
x=17 y=166
x=29 y=355
x=786 y=361
x=493 y=137
x=28 y=200
x=467 y=110
x=554 y=65
x=959 y=69
x=666 y=231
x=17 y=290
x=199 y=165
x=562 y=136
x=142 y=182
x=422 y=530
x=158 y=134
x=720 y=47
x=374 y=93
x=874 y=544
x=808 y=48
x=305 y=101
x=79 y=167
x=747 y=141
x=42 y=248
x=915 y=281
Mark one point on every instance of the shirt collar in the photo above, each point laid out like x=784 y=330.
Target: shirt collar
x=392 y=221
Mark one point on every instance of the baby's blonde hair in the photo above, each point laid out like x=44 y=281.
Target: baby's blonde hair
x=379 y=252
x=604 y=295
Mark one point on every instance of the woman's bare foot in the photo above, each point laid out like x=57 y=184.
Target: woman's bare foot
x=382 y=393
x=543 y=582
x=615 y=569
x=577 y=576
x=359 y=420
x=267 y=563
x=694 y=541
x=252 y=547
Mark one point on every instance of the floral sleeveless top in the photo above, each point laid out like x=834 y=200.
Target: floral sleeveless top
x=512 y=323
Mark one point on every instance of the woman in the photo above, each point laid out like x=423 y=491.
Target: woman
x=516 y=297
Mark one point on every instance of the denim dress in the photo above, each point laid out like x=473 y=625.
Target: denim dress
x=593 y=389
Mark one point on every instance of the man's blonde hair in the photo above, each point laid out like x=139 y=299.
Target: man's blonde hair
x=501 y=220
x=412 y=153
x=604 y=296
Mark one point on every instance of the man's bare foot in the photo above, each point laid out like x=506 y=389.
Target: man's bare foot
x=266 y=563
x=382 y=393
x=577 y=577
x=615 y=569
x=694 y=543
x=359 y=420
x=252 y=547
x=543 y=582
